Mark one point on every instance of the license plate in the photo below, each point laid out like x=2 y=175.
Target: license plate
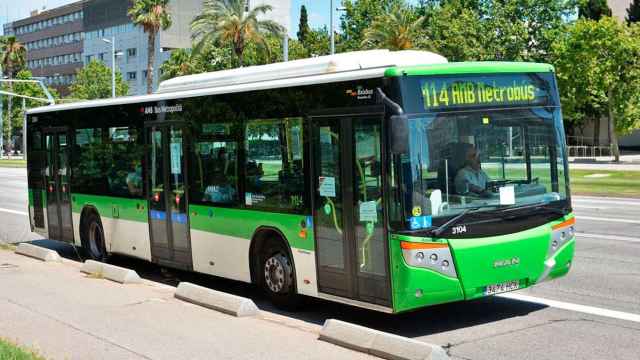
x=500 y=288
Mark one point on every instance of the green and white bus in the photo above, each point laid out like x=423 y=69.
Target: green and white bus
x=385 y=180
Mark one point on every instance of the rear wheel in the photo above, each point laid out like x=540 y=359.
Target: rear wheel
x=277 y=275
x=93 y=238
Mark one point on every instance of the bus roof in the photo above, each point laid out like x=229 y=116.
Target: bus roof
x=324 y=69
x=460 y=68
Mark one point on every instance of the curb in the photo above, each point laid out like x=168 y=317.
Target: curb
x=378 y=343
x=227 y=303
x=38 y=252
x=111 y=272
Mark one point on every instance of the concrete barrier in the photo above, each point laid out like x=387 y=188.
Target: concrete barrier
x=38 y=252
x=111 y=272
x=378 y=343
x=216 y=300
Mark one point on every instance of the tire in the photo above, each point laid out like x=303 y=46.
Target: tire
x=93 y=238
x=277 y=276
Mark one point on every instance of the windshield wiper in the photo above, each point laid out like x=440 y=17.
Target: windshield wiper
x=454 y=220
x=539 y=206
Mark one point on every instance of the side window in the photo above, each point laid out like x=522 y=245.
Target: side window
x=90 y=163
x=274 y=167
x=124 y=172
x=216 y=165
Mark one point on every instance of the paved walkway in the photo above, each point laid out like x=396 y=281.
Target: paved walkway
x=63 y=314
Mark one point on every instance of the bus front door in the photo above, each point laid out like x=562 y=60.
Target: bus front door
x=168 y=201
x=57 y=173
x=351 y=245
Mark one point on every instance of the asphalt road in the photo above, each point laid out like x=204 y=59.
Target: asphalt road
x=593 y=313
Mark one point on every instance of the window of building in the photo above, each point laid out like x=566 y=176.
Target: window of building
x=274 y=165
x=131 y=75
x=131 y=52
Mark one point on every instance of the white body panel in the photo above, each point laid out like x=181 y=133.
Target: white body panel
x=76 y=228
x=121 y=236
x=229 y=255
x=305 y=263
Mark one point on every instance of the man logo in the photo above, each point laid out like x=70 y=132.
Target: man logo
x=508 y=262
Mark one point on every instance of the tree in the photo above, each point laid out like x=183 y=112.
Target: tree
x=152 y=15
x=523 y=30
x=93 y=81
x=303 y=27
x=456 y=32
x=598 y=70
x=357 y=18
x=594 y=9
x=400 y=29
x=317 y=42
x=633 y=12
x=223 y=22
x=12 y=58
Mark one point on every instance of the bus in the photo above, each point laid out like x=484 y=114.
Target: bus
x=385 y=180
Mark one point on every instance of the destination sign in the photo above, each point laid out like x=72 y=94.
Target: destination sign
x=473 y=91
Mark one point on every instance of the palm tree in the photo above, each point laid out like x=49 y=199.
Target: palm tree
x=398 y=30
x=226 y=21
x=152 y=15
x=13 y=58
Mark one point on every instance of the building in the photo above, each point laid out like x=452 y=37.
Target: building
x=8 y=29
x=619 y=8
x=60 y=41
x=106 y=19
x=53 y=39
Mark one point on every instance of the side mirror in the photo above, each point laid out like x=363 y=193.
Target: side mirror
x=399 y=129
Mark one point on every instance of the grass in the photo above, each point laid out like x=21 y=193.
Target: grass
x=11 y=351
x=14 y=163
x=616 y=183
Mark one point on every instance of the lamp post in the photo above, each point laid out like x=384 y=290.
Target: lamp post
x=332 y=26
x=113 y=64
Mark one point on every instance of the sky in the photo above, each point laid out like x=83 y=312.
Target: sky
x=318 y=11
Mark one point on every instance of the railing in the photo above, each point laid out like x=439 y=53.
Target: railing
x=584 y=147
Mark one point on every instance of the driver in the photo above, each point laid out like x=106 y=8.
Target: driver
x=471 y=179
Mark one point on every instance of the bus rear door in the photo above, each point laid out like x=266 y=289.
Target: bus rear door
x=168 y=195
x=57 y=173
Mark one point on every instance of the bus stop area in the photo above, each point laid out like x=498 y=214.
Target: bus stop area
x=62 y=313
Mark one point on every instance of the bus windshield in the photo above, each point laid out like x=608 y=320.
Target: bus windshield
x=481 y=159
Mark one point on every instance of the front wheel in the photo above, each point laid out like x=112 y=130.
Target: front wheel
x=278 y=278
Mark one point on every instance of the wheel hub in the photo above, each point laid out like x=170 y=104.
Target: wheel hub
x=275 y=273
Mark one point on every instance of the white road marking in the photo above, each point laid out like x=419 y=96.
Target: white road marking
x=575 y=307
x=608 y=237
x=595 y=218
x=13 y=211
x=580 y=206
x=607 y=202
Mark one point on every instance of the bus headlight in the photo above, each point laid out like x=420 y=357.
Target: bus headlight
x=560 y=235
x=440 y=258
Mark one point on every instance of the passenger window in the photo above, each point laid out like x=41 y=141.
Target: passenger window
x=124 y=175
x=216 y=165
x=274 y=167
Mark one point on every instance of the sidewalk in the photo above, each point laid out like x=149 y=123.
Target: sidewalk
x=63 y=314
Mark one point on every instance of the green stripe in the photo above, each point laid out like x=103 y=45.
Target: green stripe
x=484 y=67
x=243 y=223
x=112 y=207
x=224 y=221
